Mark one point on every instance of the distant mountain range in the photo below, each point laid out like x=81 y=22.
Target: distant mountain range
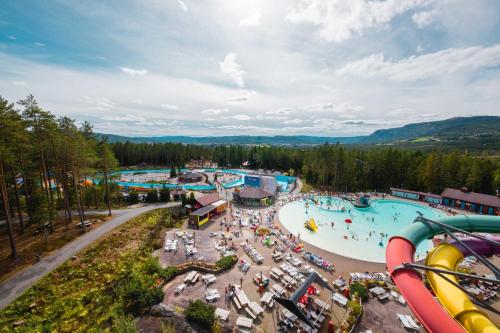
x=479 y=132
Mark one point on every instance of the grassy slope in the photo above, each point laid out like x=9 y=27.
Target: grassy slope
x=80 y=296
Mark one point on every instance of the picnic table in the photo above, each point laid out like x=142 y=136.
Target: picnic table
x=340 y=299
x=221 y=313
x=267 y=299
x=244 y=322
x=256 y=308
x=377 y=291
x=278 y=289
x=242 y=298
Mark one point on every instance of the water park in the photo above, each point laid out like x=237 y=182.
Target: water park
x=336 y=225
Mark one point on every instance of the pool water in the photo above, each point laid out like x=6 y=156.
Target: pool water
x=362 y=239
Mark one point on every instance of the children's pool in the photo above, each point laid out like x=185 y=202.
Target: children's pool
x=366 y=237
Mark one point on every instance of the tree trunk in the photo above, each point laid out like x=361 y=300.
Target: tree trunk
x=78 y=203
x=108 y=195
x=18 y=203
x=5 y=198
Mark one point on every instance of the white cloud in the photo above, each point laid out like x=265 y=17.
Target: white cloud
x=12 y=37
x=284 y=111
x=129 y=118
x=242 y=96
x=262 y=117
x=214 y=111
x=424 y=18
x=339 y=20
x=19 y=83
x=252 y=19
x=182 y=5
x=169 y=106
x=39 y=44
x=419 y=49
x=137 y=101
x=293 y=121
x=241 y=117
x=430 y=65
x=230 y=67
x=134 y=72
x=99 y=103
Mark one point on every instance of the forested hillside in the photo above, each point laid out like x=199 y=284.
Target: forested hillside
x=336 y=166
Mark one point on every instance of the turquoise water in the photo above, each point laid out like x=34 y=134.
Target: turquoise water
x=282 y=181
x=383 y=216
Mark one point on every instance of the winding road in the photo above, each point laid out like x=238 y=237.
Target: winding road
x=13 y=287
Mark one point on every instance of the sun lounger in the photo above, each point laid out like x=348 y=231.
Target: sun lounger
x=321 y=304
x=236 y=302
x=222 y=314
x=179 y=289
x=411 y=325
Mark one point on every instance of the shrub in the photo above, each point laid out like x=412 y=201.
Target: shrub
x=164 y=194
x=152 y=196
x=169 y=273
x=139 y=293
x=133 y=197
x=360 y=289
x=124 y=324
x=226 y=262
x=355 y=308
x=200 y=313
x=152 y=266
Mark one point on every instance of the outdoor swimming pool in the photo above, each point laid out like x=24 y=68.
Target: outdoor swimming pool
x=382 y=217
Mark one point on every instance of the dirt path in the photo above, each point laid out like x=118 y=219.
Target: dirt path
x=19 y=282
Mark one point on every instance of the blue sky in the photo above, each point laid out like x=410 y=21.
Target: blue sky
x=317 y=67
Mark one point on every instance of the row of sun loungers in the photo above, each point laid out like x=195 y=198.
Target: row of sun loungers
x=192 y=277
x=383 y=277
x=319 y=261
x=252 y=253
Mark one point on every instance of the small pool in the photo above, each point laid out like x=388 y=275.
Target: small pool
x=366 y=237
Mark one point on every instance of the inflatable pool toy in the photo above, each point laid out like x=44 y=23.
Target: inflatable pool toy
x=311 y=225
x=263 y=231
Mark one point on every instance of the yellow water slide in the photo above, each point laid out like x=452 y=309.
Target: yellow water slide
x=454 y=300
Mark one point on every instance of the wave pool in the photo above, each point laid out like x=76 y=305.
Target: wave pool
x=366 y=237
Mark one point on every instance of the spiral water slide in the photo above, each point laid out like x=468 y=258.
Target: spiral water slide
x=455 y=312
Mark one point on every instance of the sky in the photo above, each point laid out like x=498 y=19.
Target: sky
x=252 y=67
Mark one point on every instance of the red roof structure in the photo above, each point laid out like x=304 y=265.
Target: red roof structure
x=472 y=197
x=208 y=199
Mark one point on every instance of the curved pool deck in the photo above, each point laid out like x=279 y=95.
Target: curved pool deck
x=362 y=239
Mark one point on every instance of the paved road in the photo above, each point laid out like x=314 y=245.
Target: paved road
x=19 y=282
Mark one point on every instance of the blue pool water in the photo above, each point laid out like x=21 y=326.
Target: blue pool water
x=383 y=216
x=282 y=181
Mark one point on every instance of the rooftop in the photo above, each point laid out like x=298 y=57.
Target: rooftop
x=208 y=199
x=203 y=210
x=473 y=197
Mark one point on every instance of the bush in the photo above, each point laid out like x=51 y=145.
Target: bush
x=360 y=289
x=226 y=262
x=355 y=308
x=124 y=324
x=133 y=198
x=200 y=313
x=139 y=293
x=164 y=194
x=152 y=196
x=169 y=273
